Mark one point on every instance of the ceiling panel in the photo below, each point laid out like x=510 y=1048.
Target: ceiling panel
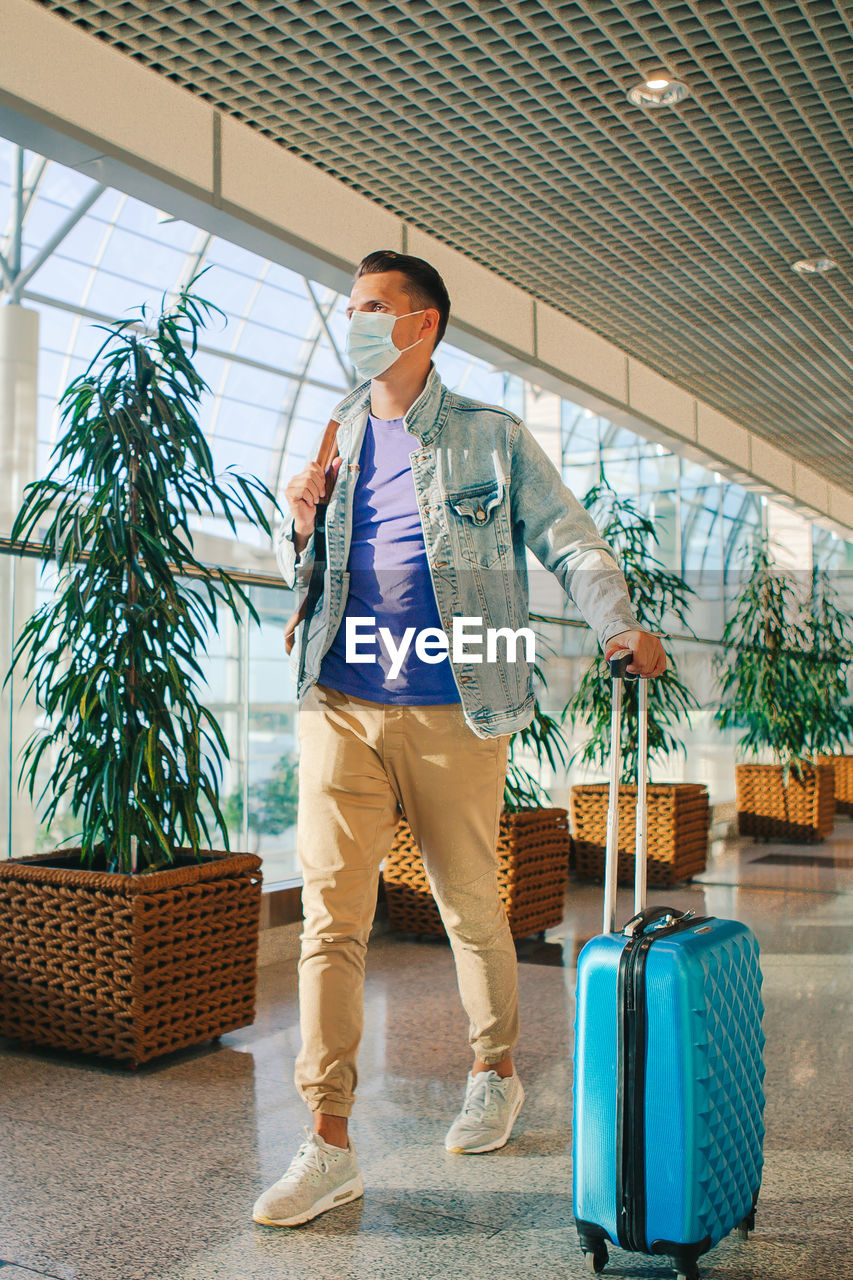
x=504 y=130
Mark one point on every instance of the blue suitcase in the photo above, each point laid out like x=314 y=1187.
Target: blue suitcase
x=668 y=1067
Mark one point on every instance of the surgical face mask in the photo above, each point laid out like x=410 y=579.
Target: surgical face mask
x=369 y=346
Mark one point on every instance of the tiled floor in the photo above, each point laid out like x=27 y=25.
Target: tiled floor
x=108 y=1175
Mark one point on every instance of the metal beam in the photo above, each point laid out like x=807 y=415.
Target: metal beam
x=345 y=368
x=6 y=272
x=609 y=435
x=227 y=356
x=696 y=504
x=738 y=522
x=88 y=314
x=568 y=429
x=18 y=206
x=37 y=172
x=11 y=268
x=195 y=257
x=58 y=236
x=470 y=366
x=312 y=342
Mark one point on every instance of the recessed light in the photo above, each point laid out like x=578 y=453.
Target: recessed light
x=814 y=266
x=658 y=92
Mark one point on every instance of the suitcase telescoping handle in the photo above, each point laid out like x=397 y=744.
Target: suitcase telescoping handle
x=619 y=662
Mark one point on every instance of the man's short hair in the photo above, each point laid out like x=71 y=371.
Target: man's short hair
x=424 y=287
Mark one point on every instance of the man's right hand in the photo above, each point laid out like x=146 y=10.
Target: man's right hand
x=303 y=492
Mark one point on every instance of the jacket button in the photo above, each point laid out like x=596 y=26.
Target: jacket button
x=481 y=515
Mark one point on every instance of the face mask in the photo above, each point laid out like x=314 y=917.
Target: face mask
x=369 y=346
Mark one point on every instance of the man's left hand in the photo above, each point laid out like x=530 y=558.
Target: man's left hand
x=649 y=657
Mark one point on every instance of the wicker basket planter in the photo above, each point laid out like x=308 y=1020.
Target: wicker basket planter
x=533 y=869
x=127 y=967
x=802 y=812
x=679 y=821
x=843 y=770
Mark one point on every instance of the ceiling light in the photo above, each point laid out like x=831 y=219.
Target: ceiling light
x=658 y=92
x=814 y=266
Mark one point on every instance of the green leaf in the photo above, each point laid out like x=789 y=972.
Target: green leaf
x=113 y=657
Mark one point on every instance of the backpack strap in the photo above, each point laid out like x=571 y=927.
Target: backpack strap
x=326 y=455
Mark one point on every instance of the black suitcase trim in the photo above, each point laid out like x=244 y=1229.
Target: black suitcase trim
x=684 y=1256
x=631 y=1092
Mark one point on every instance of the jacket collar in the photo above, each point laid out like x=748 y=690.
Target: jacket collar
x=424 y=418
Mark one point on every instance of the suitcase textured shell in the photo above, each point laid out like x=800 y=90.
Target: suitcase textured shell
x=704 y=1096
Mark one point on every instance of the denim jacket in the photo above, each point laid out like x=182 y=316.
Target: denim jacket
x=485 y=490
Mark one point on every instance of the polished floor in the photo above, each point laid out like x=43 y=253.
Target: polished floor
x=108 y=1175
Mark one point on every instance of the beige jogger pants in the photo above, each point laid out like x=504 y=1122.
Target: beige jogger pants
x=357 y=760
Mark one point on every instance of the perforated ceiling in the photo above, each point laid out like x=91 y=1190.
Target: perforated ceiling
x=504 y=130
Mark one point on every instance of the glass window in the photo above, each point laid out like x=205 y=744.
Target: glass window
x=275 y=377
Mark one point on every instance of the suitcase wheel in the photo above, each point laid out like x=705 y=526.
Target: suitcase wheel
x=747 y=1225
x=595 y=1260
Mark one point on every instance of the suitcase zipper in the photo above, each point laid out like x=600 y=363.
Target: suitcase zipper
x=630 y=1137
x=631 y=1085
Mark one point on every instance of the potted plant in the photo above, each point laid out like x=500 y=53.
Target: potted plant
x=679 y=813
x=831 y=640
x=139 y=940
x=532 y=848
x=786 y=691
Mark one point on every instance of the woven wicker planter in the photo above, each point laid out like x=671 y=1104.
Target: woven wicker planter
x=802 y=812
x=127 y=967
x=843 y=770
x=679 y=821
x=533 y=868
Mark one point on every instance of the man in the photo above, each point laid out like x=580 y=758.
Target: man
x=435 y=500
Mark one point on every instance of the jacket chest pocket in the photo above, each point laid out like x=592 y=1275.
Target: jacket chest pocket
x=477 y=519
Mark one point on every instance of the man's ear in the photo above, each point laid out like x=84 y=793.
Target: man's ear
x=434 y=330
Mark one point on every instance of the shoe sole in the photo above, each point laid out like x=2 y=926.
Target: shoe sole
x=492 y=1146
x=349 y=1191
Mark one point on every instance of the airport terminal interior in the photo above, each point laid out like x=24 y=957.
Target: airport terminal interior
x=643 y=213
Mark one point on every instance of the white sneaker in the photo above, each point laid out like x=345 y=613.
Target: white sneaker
x=320 y=1177
x=488 y=1113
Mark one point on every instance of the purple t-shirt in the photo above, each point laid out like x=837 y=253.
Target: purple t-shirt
x=389 y=582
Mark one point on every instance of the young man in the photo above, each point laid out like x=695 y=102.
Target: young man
x=403 y=701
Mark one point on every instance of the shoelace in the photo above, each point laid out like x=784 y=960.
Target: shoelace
x=480 y=1094
x=308 y=1154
